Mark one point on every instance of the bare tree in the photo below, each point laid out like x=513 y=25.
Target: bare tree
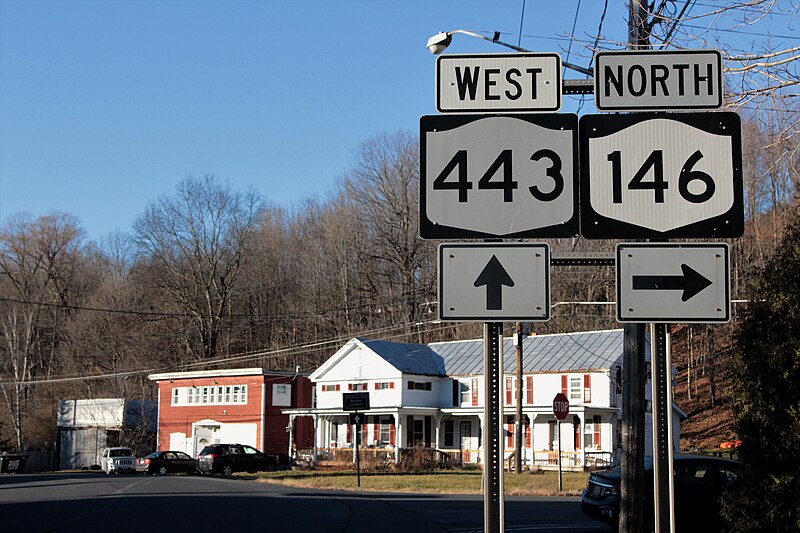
x=38 y=263
x=196 y=243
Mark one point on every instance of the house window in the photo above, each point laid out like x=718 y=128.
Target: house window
x=222 y=395
x=383 y=385
x=228 y=394
x=418 y=432
x=449 y=433
x=385 y=430
x=175 y=396
x=474 y=392
x=357 y=386
x=419 y=385
x=281 y=394
x=464 y=392
x=575 y=388
x=330 y=388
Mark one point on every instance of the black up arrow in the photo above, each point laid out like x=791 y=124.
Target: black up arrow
x=690 y=282
x=494 y=276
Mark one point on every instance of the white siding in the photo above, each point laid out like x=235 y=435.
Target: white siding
x=424 y=398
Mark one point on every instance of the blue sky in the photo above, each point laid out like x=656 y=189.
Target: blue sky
x=106 y=105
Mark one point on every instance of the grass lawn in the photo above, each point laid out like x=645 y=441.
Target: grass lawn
x=435 y=482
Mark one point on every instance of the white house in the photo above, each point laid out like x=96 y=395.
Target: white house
x=431 y=396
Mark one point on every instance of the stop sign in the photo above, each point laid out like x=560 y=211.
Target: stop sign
x=560 y=406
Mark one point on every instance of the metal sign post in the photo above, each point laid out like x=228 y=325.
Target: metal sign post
x=661 y=367
x=560 y=410
x=492 y=427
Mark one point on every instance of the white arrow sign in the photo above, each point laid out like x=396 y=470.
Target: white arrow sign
x=494 y=282
x=673 y=282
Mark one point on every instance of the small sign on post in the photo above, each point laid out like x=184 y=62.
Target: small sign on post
x=355 y=401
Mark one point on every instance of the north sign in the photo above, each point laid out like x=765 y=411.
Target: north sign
x=673 y=282
x=512 y=176
x=660 y=176
x=652 y=80
x=498 y=83
x=494 y=282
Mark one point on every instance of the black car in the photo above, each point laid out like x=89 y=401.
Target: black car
x=699 y=483
x=226 y=459
x=165 y=462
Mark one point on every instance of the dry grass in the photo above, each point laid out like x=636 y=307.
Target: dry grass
x=436 y=482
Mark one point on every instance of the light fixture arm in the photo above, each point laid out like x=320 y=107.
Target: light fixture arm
x=496 y=39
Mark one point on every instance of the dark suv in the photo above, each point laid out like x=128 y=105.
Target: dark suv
x=699 y=484
x=226 y=459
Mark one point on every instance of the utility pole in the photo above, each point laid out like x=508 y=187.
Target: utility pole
x=631 y=516
x=518 y=429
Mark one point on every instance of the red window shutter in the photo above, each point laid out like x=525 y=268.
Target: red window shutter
x=410 y=385
x=363 y=435
x=392 y=431
x=510 y=432
x=509 y=391
x=391 y=384
x=527 y=435
x=349 y=433
x=587 y=388
x=596 y=420
x=349 y=386
x=376 y=386
x=529 y=390
x=376 y=428
x=474 y=392
x=564 y=384
x=338 y=387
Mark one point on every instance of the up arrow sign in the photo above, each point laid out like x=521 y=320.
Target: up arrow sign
x=691 y=282
x=494 y=276
x=473 y=281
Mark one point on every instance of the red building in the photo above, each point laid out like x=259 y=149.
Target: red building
x=241 y=405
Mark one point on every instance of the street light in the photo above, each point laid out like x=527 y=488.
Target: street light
x=441 y=40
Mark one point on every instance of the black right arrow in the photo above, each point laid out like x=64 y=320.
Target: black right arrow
x=494 y=276
x=690 y=282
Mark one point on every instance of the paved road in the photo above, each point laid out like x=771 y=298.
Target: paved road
x=128 y=503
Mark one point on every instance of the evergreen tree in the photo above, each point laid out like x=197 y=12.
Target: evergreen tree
x=766 y=371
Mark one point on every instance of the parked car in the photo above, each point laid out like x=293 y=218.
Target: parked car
x=698 y=486
x=166 y=462
x=226 y=459
x=117 y=459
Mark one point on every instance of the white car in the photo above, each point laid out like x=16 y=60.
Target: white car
x=117 y=459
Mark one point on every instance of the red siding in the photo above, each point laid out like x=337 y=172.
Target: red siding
x=179 y=419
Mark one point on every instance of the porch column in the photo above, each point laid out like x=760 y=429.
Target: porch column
x=314 y=441
x=437 y=419
x=583 y=440
x=290 y=429
x=398 y=436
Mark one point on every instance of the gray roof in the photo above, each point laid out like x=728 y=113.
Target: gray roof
x=591 y=350
x=408 y=358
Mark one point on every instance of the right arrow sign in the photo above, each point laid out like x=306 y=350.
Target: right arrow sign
x=671 y=282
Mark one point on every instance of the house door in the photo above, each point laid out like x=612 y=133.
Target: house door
x=465 y=439
x=203 y=436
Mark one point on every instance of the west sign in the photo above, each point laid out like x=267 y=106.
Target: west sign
x=498 y=83
x=651 y=80
x=676 y=175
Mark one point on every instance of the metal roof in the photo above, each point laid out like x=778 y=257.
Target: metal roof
x=590 y=350
x=408 y=358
